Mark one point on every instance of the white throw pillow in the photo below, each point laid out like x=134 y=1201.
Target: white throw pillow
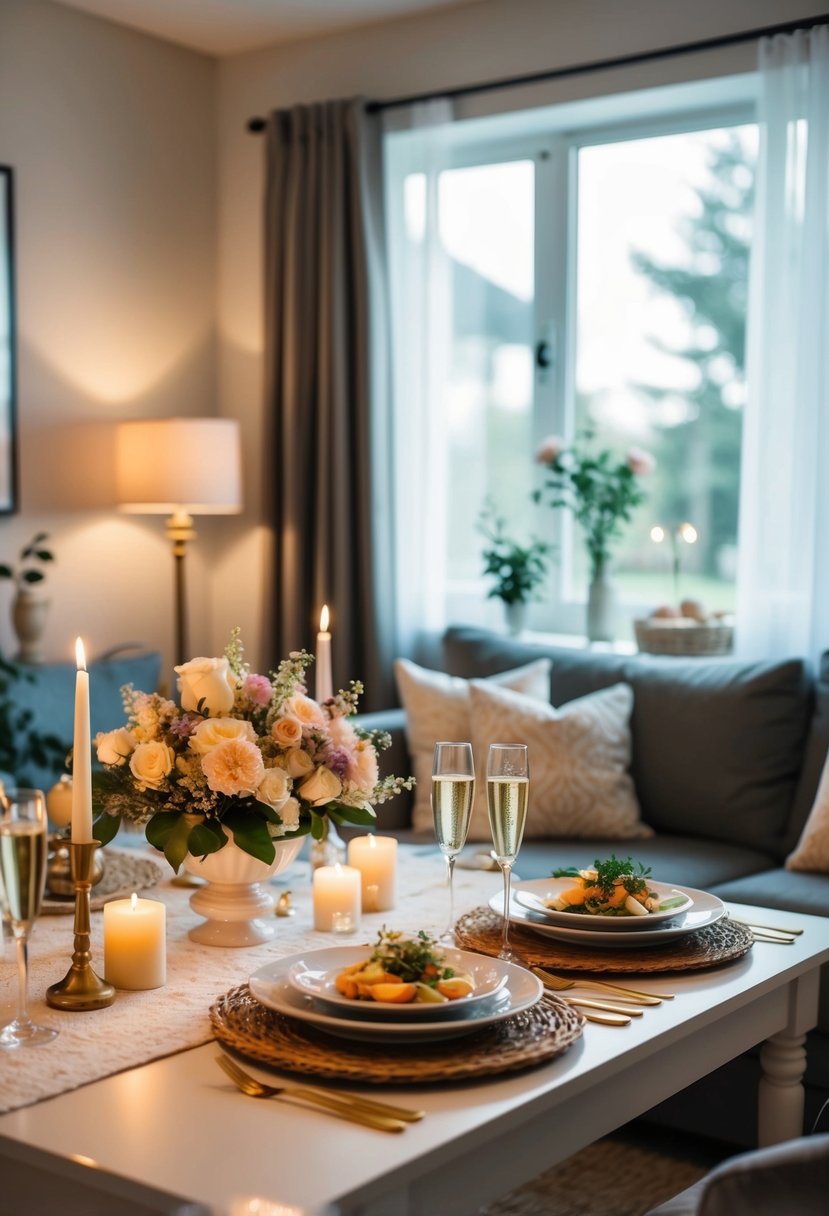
x=812 y=850
x=437 y=708
x=579 y=760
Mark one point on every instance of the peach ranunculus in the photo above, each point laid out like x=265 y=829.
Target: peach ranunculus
x=342 y=734
x=274 y=788
x=206 y=680
x=213 y=731
x=364 y=771
x=234 y=767
x=287 y=731
x=321 y=786
x=640 y=462
x=151 y=763
x=289 y=814
x=307 y=711
x=298 y=763
x=115 y=746
x=549 y=449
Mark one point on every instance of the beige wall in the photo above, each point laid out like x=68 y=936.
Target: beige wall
x=112 y=139
x=136 y=185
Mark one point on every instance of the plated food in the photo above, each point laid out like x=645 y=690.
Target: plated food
x=401 y=970
x=614 y=887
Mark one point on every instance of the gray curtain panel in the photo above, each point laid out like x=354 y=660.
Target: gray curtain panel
x=327 y=385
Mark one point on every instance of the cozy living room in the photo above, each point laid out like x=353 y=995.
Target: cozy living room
x=414 y=643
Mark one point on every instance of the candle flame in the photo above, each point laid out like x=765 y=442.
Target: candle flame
x=324 y=619
x=133 y=902
x=80 y=655
x=372 y=843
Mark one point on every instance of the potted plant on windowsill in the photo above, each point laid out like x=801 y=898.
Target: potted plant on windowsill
x=517 y=569
x=30 y=606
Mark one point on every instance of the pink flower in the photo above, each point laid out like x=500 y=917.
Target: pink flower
x=550 y=449
x=365 y=771
x=640 y=462
x=234 y=767
x=258 y=690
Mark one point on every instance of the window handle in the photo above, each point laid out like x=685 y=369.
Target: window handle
x=544 y=354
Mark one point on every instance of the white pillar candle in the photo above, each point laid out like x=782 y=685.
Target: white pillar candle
x=81 y=755
x=376 y=859
x=323 y=685
x=135 y=943
x=337 y=898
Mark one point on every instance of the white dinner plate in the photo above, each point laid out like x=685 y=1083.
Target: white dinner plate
x=706 y=910
x=533 y=897
x=314 y=974
x=271 y=987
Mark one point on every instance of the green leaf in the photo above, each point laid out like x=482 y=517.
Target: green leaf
x=206 y=838
x=32 y=576
x=251 y=834
x=355 y=814
x=105 y=828
x=6 y=571
x=159 y=828
x=176 y=845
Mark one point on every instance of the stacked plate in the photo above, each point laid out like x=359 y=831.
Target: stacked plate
x=302 y=986
x=528 y=907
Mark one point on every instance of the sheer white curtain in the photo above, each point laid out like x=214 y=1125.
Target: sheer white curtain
x=783 y=576
x=421 y=306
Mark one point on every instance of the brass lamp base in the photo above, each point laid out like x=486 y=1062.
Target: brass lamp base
x=81 y=988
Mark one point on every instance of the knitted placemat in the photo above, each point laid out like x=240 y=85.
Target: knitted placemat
x=535 y=1036
x=721 y=942
x=123 y=874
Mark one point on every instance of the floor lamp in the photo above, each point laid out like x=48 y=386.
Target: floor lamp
x=179 y=467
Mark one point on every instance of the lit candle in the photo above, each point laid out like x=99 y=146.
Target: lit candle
x=336 y=898
x=376 y=859
x=81 y=755
x=135 y=943
x=324 y=687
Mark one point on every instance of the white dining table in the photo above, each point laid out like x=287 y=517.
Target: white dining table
x=177 y=1125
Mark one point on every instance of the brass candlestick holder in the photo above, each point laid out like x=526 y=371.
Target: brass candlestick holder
x=81 y=988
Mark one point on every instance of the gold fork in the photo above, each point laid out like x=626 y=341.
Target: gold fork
x=366 y=1113
x=558 y=983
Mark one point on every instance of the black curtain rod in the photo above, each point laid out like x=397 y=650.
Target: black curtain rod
x=257 y=125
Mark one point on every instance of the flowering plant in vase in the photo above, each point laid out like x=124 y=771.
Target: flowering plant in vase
x=600 y=489
x=250 y=753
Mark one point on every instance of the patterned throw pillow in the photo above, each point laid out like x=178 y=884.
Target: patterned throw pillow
x=579 y=757
x=437 y=708
x=811 y=853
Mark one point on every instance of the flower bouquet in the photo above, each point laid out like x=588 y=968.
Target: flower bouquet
x=245 y=752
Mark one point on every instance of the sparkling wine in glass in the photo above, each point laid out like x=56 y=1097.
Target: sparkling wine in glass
x=453 y=790
x=507 y=795
x=23 y=854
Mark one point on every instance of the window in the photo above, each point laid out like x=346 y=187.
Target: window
x=593 y=279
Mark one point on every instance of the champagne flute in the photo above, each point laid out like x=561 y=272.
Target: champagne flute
x=23 y=854
x=453 y=790
x=507 y=795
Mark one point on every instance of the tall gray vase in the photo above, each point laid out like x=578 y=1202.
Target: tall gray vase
x=601 y=608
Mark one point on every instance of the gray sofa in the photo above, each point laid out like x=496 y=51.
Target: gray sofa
x=726 y=759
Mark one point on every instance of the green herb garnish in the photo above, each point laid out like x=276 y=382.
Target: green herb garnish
x=413 y=959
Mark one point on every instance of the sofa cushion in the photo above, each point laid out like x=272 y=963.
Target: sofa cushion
x=579 y=759
x=437 y=707
x=812 y=850
x=717 y=743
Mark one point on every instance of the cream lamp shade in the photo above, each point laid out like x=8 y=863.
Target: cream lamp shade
x=179 y=467
x=164 y=465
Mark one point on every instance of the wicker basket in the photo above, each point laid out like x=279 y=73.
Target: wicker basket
x=683 y=637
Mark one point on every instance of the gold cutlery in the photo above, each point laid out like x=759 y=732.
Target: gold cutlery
x=778 y=940
x=767 y=928
x=585 y=1003
x=558 y=983
x=601 y=1019
x=359 y=1110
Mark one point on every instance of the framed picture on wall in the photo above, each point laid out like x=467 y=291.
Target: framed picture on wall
x=8 y=362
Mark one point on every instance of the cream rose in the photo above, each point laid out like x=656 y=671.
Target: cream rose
x=287 y=732
x=321 y=786
x=306 y=710
x=234 y=767
x=150 y=763
x=115 y=746
x=207 y=680
x=213 y=731
x=289 y=814
x=274 y=787
x=298 y=763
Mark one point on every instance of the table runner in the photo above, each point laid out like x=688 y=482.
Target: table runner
x=143 y=1026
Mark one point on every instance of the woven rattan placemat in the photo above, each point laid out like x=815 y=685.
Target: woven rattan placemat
x=535 y=1036
x=721 y=942
x=122 y=875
